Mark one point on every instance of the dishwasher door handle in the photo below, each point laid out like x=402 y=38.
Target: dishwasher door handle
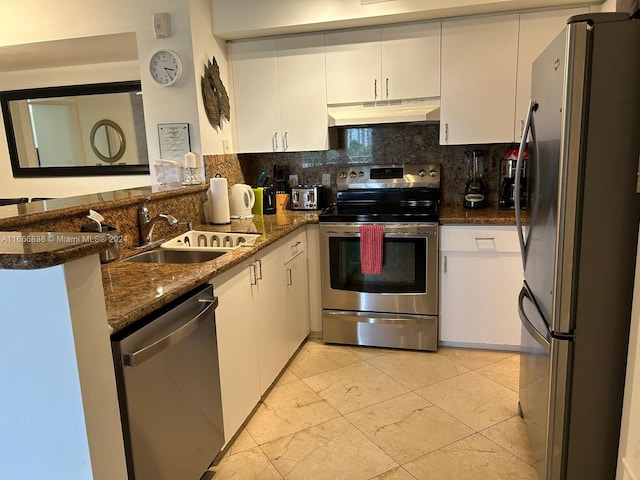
x=145 y=353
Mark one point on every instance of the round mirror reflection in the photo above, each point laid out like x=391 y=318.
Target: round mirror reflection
x=108 y=141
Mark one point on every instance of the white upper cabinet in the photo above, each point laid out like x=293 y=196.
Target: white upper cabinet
x=478 y=83
x=279 y=94
x=353 y=66
x=303 y=98
x=379 y=64
x=410 y=61
x=537 y=30
x=255 y=94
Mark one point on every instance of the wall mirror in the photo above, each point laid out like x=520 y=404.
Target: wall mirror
x=76 y=130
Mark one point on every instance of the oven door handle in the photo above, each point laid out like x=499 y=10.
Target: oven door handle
x=386 y=234
x=428 y=229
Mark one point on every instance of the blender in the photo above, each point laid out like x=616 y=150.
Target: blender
x=475 y=193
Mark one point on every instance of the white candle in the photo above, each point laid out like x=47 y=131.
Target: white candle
x=190 y=160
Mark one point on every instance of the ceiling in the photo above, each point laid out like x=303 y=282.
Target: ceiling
x=74 y=51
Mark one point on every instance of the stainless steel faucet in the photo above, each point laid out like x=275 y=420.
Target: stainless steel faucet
x=147 y=223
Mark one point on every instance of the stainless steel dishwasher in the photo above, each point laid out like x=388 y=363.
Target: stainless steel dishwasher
x=169 y=389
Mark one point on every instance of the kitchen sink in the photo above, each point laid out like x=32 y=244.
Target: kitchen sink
x=173 y=256
x=203 y=241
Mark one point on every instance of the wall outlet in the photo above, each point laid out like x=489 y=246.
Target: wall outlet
x=225 y=146
x=326 y=179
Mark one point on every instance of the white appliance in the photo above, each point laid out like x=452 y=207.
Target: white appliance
x=241 y=201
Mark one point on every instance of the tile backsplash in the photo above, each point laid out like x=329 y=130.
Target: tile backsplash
x=383 y=144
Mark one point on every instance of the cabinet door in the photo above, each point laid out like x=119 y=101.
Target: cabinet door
x=353 y=66
x=303 y=97
x=537 y=30
x=297 y=300
x=313 y=268
x=255 y=94
x=479 y=298
x=410 y=61
x=269 y=302
x=478 y=89
x=237 y=347
x=480 y=278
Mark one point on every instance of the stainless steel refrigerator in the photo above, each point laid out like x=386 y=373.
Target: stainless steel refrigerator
x=579 y=244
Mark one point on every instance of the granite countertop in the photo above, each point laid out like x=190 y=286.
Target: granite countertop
x=12 y=217
x=482 y=216
x=32 y=250
x=133 y=290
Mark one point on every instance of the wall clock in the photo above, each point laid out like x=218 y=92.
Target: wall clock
x=165 y=67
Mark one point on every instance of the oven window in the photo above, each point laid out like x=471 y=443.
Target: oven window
x=404 y=266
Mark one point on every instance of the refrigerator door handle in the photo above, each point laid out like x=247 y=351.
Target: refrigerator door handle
x=537 y=336
x=529 y=126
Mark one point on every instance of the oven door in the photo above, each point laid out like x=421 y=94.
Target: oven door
x=408 y=283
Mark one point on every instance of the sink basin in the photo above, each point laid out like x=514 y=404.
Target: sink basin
x=197 y=240
x=173 y=256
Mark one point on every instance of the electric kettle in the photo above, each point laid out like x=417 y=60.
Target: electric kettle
x=241 y=201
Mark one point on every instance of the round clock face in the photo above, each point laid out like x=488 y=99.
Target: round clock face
x=165 y=67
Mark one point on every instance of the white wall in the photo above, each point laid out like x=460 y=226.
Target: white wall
x=205 y=46
x=249 y=18
x=62 y=187
x=32 y=21
x=59 y=412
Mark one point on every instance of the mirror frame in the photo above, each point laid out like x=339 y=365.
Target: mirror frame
x=65 y=91
x=121 y=140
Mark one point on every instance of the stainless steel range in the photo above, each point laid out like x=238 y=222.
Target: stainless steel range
x=397 y=307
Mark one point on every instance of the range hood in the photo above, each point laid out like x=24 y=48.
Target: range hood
x=371 y=114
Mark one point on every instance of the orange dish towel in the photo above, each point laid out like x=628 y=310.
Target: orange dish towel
x=371 y=240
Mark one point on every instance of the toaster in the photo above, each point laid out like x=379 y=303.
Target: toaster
x=308 y=197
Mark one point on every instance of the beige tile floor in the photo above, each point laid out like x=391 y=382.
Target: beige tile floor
x=358 y=413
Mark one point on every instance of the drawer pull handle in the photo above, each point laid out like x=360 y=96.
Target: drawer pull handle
x=486 y=244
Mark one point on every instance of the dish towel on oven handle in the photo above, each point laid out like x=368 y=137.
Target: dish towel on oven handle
x=371 y=246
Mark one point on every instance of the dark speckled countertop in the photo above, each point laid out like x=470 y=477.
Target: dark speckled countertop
x=133 y=290
x=481 y=216
x=32 y=250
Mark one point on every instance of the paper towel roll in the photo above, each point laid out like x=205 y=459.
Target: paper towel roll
x=219 y=200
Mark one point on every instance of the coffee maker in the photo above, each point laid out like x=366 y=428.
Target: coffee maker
x=506 y=193
x=475 y=192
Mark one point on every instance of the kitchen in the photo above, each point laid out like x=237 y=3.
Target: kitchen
x=213 y=150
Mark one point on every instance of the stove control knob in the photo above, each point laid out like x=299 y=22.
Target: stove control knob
x=433 y=173
x=352 y=174
x=421 y=173
x=360 y=174
x=343 y=175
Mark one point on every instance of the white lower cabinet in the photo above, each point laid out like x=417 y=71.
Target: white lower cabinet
x=269 y=301
x=261 y=319
x=480 y=278
x=315 y=287
x=237 y=346
x=297 y=293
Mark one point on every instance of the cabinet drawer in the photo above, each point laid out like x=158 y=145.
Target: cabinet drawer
x=296 y=243
x=463 y=238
